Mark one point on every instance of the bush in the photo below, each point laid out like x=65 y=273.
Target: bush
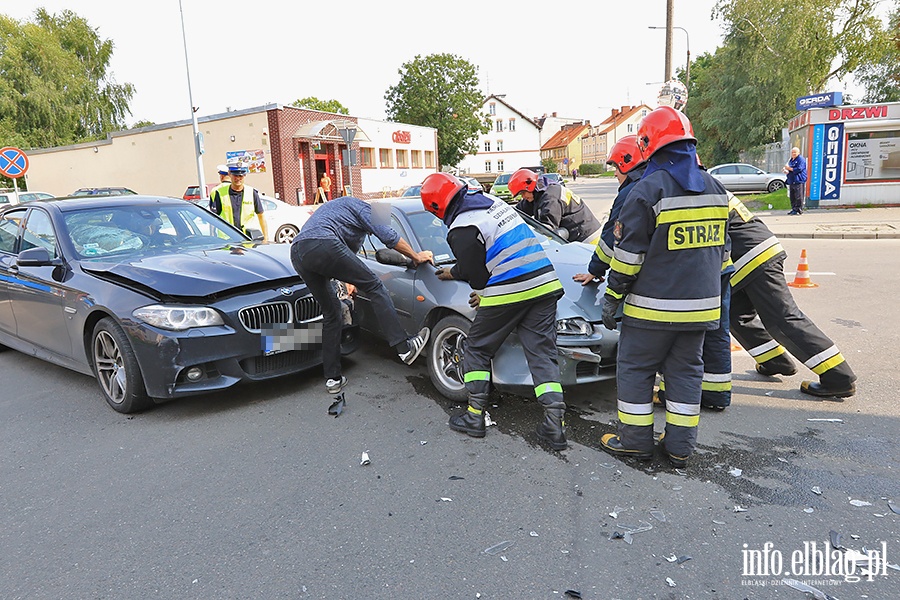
x=591 y=169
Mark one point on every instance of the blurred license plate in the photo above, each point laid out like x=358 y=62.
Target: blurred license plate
x=286 y=337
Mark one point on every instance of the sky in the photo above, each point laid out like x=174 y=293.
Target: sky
x=578 y=61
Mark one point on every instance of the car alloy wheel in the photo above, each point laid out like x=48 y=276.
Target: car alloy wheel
x=116 y=368
x=445 y=356
x=286 y=234
x=774 y=186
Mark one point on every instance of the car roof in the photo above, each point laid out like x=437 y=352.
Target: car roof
x=71 y=203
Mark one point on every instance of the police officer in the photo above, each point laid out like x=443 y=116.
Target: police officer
x=666 y=268
x=629 y=165
x=237 y=203
x=516 y=289
x=555 y=205
x=759 y=290
x=222 y=170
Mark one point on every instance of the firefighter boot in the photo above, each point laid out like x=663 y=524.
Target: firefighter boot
x=471 y=422
x=552 y=428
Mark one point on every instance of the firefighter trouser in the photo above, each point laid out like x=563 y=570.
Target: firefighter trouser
x=716 y=358
x=764 y=309
x=535 y=322
x=643 y=353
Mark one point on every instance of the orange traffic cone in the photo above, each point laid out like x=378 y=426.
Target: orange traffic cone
x=801 y=279
x=735 y=347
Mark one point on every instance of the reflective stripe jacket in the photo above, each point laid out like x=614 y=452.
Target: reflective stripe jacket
x=515 y=264
x=248 y=209
x=752 y=243
x=558 y=207
x=603 y=253
x=669 y=253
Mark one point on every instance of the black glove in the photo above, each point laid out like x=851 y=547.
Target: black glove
x=610 y=308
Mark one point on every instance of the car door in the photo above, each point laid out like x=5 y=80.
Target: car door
x=9 y=235
x=36 y=294
x=728 y=175
x=752 y=179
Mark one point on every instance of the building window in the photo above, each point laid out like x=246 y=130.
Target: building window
x=402 y=159
x=630 y=128
x=512 y=124
x=384 y=156
x=488 y=123
x=499 y=125
x=368 y=157
x=499 y=145
x=429 y=159
x=487 y=166
x=492 y=108
x=487 y=145
x=644 y=112
x=500 y=165
x=416 y=159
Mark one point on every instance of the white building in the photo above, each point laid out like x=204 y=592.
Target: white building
x=514 y=141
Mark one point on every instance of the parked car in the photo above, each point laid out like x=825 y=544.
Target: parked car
x=413 y=191
x=103 y=191
x=554 y=178
x=283 y=220
x=472 y=184
x=500 y=187
x=192 y=192
x=155 y=297
x=739 y=177
x=9 y=197
x=587 y=350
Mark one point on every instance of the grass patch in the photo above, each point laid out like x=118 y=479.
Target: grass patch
x=779 y=200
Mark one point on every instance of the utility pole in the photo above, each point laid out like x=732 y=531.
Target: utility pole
x=670 y=9
x=198 y=138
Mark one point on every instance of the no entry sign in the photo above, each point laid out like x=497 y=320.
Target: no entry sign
x=13 y=162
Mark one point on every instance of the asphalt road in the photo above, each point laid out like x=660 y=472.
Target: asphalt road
x=258 y=493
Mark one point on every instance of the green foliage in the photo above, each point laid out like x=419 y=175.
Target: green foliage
x=55 y=87
x=591 y=169
x=140 y=124
x=550 y=165
x=881 y=77
x=313 y=103
x=778 y=200
x=773 y=52
x=440 y=91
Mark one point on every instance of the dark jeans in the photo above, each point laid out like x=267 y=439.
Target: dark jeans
x=795 y=191
x=320 y=261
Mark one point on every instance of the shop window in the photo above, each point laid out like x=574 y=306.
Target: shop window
x=487 y=145
x=402 y=159
x=416 y=158
x=873 y=156
x=512 y=124
x=368 y=157
x=385 y=156
x=499 y=145
x=429 y=159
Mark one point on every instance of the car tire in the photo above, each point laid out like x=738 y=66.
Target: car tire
x=445 y=353
x=116 y=368
x=774 y=186
x=286 y=234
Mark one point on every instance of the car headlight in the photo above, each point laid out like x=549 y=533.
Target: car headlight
x=178 y=318
x=574 y=326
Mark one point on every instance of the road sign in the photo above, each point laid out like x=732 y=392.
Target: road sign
x=13 y=162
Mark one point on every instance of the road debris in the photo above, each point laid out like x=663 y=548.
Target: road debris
x=488 y=421
x=718 y=522
x=498 y=548
x=809 y=510
x=672 y=558
x=683 y=559
x=533 y=533
x=816 y=490
x=825 y=421
x=423 y=442
x=503 y=558
x=573 y=594
x=735 y=472
x=658 y=515
x=615 y=513
x=860 y=503
x=835 y=539
x=364 y=459
x=446 y=499
x=784 y=460
x=337 y=407
x=894 y=508
x=670 y=582
x=739 y=508
x=455 y=478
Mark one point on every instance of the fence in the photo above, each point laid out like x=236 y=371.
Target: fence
x=771 y=158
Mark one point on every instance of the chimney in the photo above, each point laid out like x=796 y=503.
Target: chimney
x=626 y=108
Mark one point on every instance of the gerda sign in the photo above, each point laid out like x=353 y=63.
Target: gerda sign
x=825 y=162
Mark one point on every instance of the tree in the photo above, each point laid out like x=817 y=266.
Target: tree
x=775 y=51
x=441 y=91
x=881 y=77
x=54 y=82
x=313 y=103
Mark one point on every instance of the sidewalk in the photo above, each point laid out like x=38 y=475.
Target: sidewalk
x=835 y=223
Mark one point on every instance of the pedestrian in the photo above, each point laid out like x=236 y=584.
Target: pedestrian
x=554 y=205
x=515 y=288
x=629 y=165
x=237 y=203
x=325 y=249
x=325 y=184
x=796 y=180
x=666 y=270
x=759 y=289
x=574 y=174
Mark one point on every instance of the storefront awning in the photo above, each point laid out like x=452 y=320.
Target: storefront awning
x=328 y=131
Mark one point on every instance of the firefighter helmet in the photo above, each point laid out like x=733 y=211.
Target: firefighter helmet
x=438 y=190
x=661 y=127
x=523 y=180
x=625 y=154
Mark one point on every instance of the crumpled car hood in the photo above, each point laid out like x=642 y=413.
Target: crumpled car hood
x=202 y=272
x=584 y=301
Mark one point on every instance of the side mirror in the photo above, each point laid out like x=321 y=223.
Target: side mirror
x=256 y=235
x=35 y=257
x=389 y=256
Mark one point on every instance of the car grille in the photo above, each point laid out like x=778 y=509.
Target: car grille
x=253 y=318
x=277 y=364
x=307 y=309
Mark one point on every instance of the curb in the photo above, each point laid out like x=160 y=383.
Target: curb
x=833 y=235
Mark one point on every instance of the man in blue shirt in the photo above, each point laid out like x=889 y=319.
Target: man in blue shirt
x=796 y=180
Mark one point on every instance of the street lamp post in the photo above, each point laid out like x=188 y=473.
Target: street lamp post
x=687 y=68
x=198 y=139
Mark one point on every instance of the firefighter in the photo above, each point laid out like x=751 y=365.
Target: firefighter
x=515 y=289
x=766 y=320
x=666 y=269
x=554 y=205
x=626 y=159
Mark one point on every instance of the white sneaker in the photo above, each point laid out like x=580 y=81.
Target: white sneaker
x=334 y=386
x=416 y=345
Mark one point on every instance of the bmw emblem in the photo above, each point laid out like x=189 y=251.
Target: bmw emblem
x=285 y=291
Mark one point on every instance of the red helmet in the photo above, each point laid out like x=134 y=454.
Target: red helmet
x=438 y=190
x=625 y=154
x=523 y=180
x=661 y=127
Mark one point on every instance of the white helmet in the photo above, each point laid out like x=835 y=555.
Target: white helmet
x=674 y=94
